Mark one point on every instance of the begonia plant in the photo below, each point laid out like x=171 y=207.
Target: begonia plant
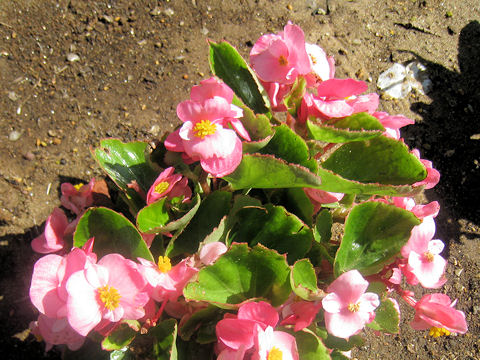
x=276 y=222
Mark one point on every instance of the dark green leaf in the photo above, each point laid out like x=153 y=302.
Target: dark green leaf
x=165 y=335
x=113 y=233
x=374 y=233
x=379 y=160
x=298 y=203
x=122 y=336
x=333 y=342
x=310 y=347
x=275 y=228
x=228 y=65
x=358 y=127
x=198 y=319
x=265 y=171
x=242 y=274
x=212 y=209
x=387 y=318
x=287 y=145
x=323 y=227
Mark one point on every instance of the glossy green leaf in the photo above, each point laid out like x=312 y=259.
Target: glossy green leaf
x=165 y=335
x=126 y=162
x=153 y=219
x=387 y=318
x=335 y=183
x=122 y=354
x=374 y=233
x=228 y=65
x=212 y=209
x=258 y=126
x=113 y=233
x=333 y=342
x=266 y=171
x=275 y=228
x=323 y=226
x=310 y=346
x=357 y=127
x=242 y=274
x=287 y=145
x=379 y=160
x=303 y=279
x=122 y=336
x=298 y=203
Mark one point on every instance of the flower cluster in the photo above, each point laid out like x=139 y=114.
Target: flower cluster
x=239 y=205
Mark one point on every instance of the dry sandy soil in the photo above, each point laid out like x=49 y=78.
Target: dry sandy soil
x=73 y=72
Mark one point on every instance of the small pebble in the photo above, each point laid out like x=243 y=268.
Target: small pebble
x=169 y=12
x=107 y=19
x=63 y=161
x=72 y=57
x=29 y=156
x=155 y=12
x=357 y=42
x=12 y=96
x=51 y=133
x=185 y=76
x=14 y=135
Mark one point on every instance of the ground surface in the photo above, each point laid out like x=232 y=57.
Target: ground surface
x=73 y=72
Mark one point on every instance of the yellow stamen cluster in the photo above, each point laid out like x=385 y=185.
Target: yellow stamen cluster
x=353 y=307
x=282 y=61
x=161 y=187
x=109 y=296
x=314 y=60
x=429 y=256
x=437 y=332
x=78 y=186
x=204 y=128
x=275 y=354
x=164 y=264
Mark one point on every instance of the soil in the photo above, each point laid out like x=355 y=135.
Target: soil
x=73 y=72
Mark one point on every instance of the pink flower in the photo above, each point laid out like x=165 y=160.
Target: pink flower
x=300 y=314
x=170 y=185
x=281 y=57
x=320 y=197
x=238 y=331
x=323 y=66
x=56 y=332
x=50 y=275
x=209 y=253
x=437 y=310
x=336 y=98
x=204 y=135
x=392 y=123
x=77 y=197
x=270 y=344
x=420 y=211
x=111 y=290
x=276 y=92
x=433 y=176
x=52 y=238
x=165 y=282
x=347 y=306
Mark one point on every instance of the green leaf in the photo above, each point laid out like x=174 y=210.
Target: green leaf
x=303 y=279
x=242 y=274
x=337 y=355
x=122 y=354
x=212 y=209
x=126 y=162
x=275 y=228
x=294 y=98
x=165 y=335
x=387 y=318
x=210 y=314
x=122 y=336
x=287 y=145
x=333 y=342
x=265 y=171
x=258 y=126
x=358 y=127
x=228 y=65
x=298 y=203
x=113 y=233
x=379 y=160
x=153 y=219
x=310 y=346
x=335 y=183
x=323 y=227
x=374 y=233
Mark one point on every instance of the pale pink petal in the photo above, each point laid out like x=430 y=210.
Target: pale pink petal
x=346 y=323
x=220 y=144
x=209 y=253
x=297 y=54
x=43 y=290
x=239 y=128
x=333 y=108
x=268 y=66
x=349 y=286
x=320 y=63
x=436 y=246
x=333 y=303
x=84 y=311
x=236 y=332
x=52 y=238
x=368 y=302
x=174 y=142
x=364 y=103
x=219 y=167
x=210 y=88
x=420 y=237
